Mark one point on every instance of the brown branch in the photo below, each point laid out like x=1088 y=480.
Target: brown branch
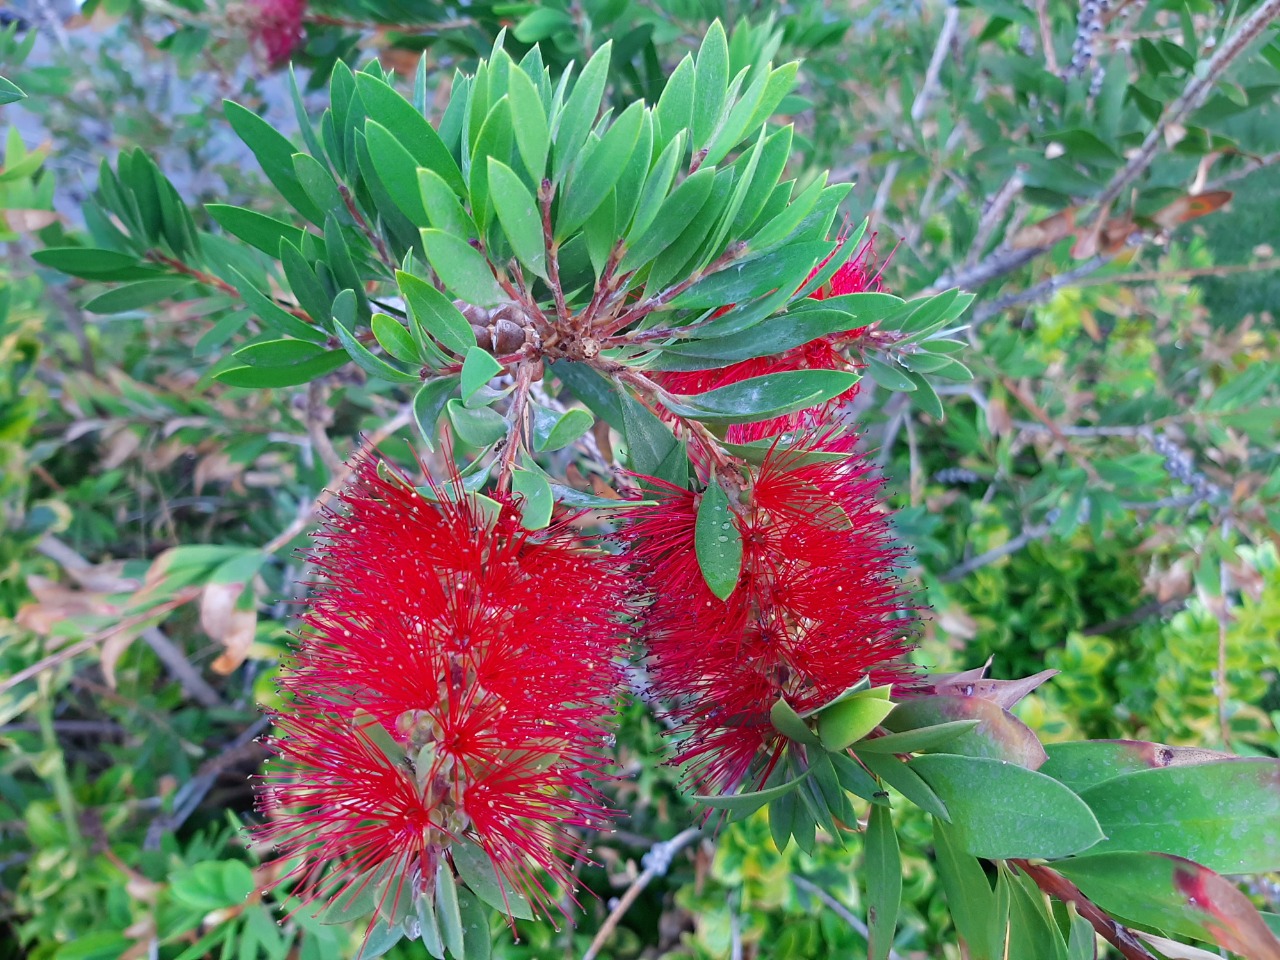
x=1060 y=888
x=209 y=280
x=320 y=19
x=1046 y=36
x=519 y=417
x=1005 y=260
x=1192 y=97
x=734 y=253
x=658 y=861
x=546 y=193
x=378 y=243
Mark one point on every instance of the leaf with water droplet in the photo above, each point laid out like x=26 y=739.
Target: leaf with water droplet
x=718 y=542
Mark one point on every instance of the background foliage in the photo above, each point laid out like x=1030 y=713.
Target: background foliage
x=1101 y=499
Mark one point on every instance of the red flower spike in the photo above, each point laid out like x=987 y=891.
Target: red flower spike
x=817 y=607
x=488 y=655
x=824 y=353
x=277 y=25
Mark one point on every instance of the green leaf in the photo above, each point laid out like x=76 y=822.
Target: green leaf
x=762 y=398
x=271 y=313
x=256 y=229
x=1222 y=814
x=398 y=171
x=745 y=279
x=478 y=369
x=539 y=502
x=274 y=153
x=141 y=293
x=741 y=805
x=580 y=110
x=883 y=864
x=462 y=268
x=448 y=911
x=429 y=927
x=375 y=367
x=278 y=353
x=478 y=873
x=790 y=724
x=1033 y=932
x=906 y=781
x=90 y=263
x=428 y=403
x=529 y=115
x=477 y=942
x=889 y=376
x=444 y=210
x=519 y=216
x=848 y=721
x=553 y=431
x=477 y=428
x=650 y=443
x=675 y=106
x=718 y=542
x=1083 y=942
x=1173 y=895
x=918 y=740
x=433 y=313
x=999 y=735
x=284 y=376
x=674 y=214
x=10 y=92
x=1082 y=764
x=857 y=780
x=411 y=128
x=598 y=169
x=968 y=893
x=787 y=818
x=494 y=141
x=999 y=810
x=710 y=85
x=395 y=339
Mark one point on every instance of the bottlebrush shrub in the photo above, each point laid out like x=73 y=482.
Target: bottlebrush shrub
x=528 y=268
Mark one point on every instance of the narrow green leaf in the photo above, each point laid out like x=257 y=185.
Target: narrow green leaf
x=848 y=721
x=912 y=741
x=395 y=339
x=429 y=927
x=141 y=293
x=477 y=942
x=968 y=891
x=444 y=210
x=433 y=313
x=710 y=85
x=761 y=398
x=448 y=911
x=463 y=269
x=533 y=138
x=906 y=781
x=598 y=169
x=274 y=153
x=10 y=92
x=413 y=131
x=287 y=376
x=718 y=542
x=428 y=403
x=741 y=805
x=375 y=367
x=278 y=353
x=580 y=110
x=519 y=216
x=256 y=229
x=890 y=376
x=398 y=171
x=790 y=724
x=90 y=263
x=883 y=864
x=674 y=214
x=315 y=178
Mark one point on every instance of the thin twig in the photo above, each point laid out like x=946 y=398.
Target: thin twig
x=921 y=102
x=838 y=908
x=1028 y=535
x=180 y=669
x=1046 y=37
x=1202 y=81
x=657 y=861
x=1190 y=273
x=336 y=481
x=1040 y=291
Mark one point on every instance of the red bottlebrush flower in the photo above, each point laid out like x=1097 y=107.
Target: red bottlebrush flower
x=824 y=353
x=277 y=25
x=817 y=607
x=486 y=659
